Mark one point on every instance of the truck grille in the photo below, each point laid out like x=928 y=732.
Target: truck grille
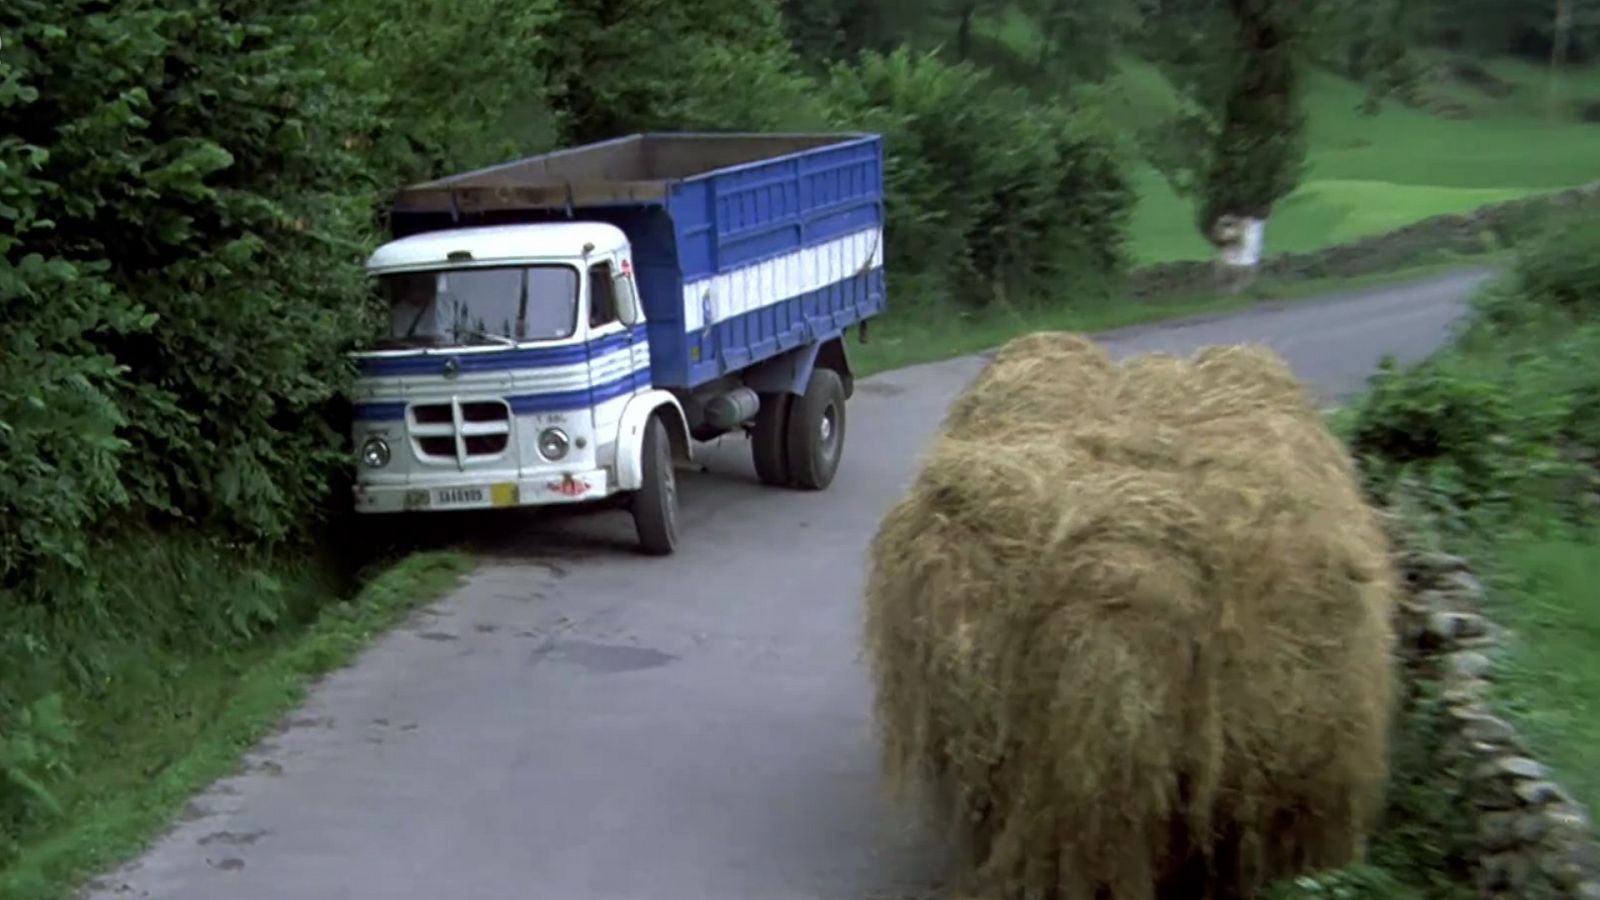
x=460 y=432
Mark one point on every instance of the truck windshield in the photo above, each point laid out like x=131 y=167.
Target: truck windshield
x=457 y=307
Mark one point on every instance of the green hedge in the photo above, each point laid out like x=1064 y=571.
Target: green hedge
x=183 y=215
x=992 y=197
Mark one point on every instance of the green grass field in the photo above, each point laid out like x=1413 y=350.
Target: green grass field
x=1371 y=174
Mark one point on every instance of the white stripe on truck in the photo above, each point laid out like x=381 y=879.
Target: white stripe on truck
x=780 y=279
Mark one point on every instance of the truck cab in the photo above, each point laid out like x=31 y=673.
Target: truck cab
x=510 y=358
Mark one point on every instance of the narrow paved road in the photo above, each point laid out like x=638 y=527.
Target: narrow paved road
x=581 y=723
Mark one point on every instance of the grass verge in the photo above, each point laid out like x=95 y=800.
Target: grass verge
x=147 y=753
x=907 y=339
x=1546 y=591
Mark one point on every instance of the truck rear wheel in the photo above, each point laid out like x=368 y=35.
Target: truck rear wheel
x=655 y=504
x=769 y=440
x=816 y=431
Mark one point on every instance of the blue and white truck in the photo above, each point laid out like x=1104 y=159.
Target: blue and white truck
x=564 y=328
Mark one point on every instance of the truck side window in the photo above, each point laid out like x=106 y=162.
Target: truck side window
x=602 y=300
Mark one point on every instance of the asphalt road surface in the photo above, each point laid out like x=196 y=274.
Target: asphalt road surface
x=578 y=722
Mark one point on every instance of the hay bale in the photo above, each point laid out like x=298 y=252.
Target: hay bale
x=1133 y=624
x=1042 y=377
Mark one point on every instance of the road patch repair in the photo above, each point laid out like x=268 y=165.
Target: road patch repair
x=1132 y=627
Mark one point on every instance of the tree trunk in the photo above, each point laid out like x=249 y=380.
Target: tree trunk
x=964 y=31
x=1239 y=240
x=1560 y=43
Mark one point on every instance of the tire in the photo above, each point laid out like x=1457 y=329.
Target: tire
x=655 y=504
x=769 y=440
x=816 y=431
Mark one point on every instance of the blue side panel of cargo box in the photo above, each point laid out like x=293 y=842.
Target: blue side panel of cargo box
x=772 y=255
x=743 y=263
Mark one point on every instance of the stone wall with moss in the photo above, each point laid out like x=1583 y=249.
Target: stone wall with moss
x=1530 y=838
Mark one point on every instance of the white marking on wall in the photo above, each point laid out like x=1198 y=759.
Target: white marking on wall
x=781 y=278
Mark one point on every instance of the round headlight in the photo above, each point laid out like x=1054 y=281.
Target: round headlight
x=553 y=444
x=375 y=453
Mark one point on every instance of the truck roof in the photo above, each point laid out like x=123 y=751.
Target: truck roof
x=640 y=168
x=496 y=242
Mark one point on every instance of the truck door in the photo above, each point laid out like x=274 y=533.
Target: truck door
x=612 y=369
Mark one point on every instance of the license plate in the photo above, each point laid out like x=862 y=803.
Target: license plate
x=458 y=496
x=494 y=495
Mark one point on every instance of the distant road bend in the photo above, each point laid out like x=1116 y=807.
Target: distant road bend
x=581 y=723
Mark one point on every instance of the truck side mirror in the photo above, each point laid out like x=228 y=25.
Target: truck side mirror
x=628 y=312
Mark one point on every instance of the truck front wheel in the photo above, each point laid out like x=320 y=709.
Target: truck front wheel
x=655 y=504
x=816 y=431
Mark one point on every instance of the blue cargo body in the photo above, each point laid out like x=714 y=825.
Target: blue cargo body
x=745 y=246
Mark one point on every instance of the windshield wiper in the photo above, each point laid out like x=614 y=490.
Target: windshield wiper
x=411 y=331
x=497 y=338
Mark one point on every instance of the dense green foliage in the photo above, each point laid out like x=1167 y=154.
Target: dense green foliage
x=973 y=217
x=1561 y=274
x=1496 y=428
x=177 y=282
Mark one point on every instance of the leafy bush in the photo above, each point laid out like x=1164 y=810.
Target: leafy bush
x=1476 y=435
x=1430 y=413
x=1562 y=272
x=443 y=87
x=989 y=193
x=1508 y=417
x=1545 y=321
x=191 y=167
x=33 y=747
x=621 y=66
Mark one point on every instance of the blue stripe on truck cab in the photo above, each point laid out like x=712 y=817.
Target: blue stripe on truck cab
x=575 y=401
x=529 y=404
x=496 y=359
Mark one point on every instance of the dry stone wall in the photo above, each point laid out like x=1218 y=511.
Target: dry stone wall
x=1532 y=839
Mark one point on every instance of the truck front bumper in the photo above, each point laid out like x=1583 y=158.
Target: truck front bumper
x=552 y=490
